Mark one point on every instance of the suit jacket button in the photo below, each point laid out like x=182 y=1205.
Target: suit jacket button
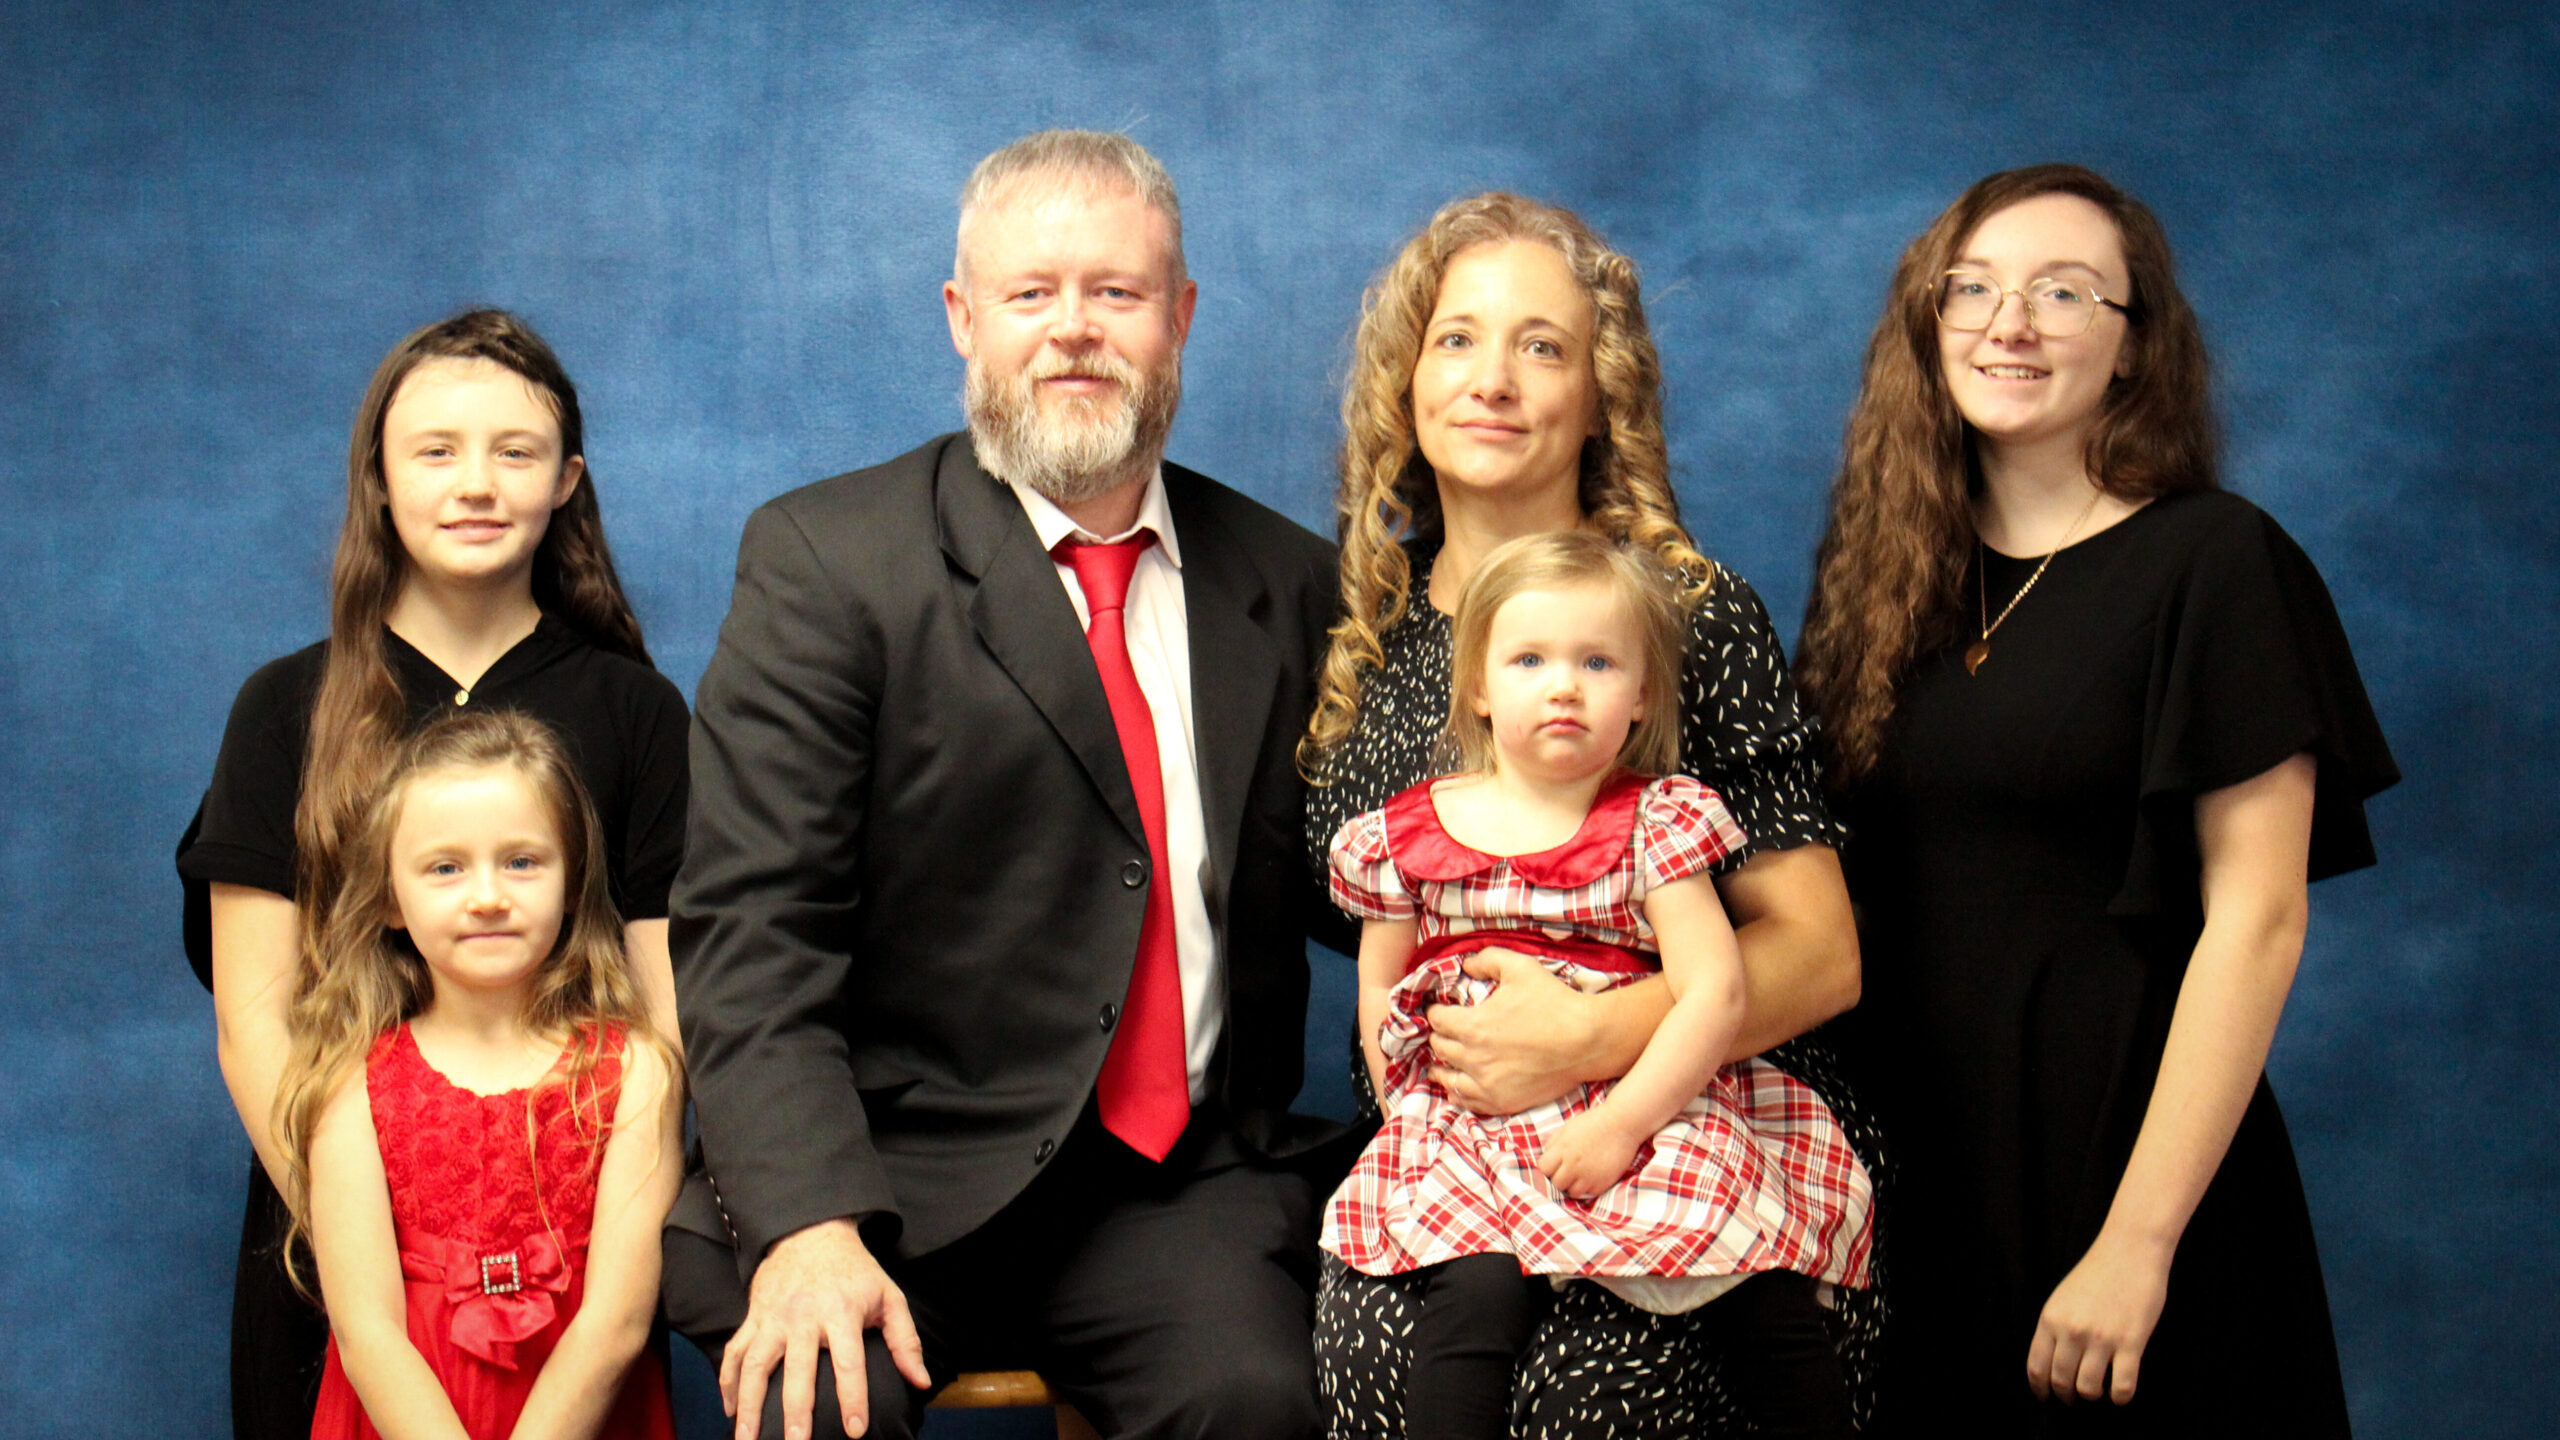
x=1047 y=1149
x=1133 y=874
x=1110 y=1016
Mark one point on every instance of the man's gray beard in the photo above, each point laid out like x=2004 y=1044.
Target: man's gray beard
x=1092 y=447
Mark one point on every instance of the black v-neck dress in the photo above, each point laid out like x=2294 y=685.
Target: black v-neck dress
x=624 y=726
x=2025 y=859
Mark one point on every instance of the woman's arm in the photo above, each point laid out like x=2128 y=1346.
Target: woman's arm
x=255 y=934
x=359 y=1259
x=1702 y=967
x=1535 y=1037
x=1790 y=911
x=645 y=941
x=2255 y=839
x=643 y=1164
x=1386 y=948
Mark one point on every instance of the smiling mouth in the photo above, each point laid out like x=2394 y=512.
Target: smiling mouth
x=2013 y=372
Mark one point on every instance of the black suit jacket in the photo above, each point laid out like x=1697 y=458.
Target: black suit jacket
x=914 y=870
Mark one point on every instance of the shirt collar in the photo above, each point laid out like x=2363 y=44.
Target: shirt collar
x=1425 y=850
x=1054 y=525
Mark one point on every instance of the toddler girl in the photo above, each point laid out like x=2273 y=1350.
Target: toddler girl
x=479 y=1126
x=1676 y=1185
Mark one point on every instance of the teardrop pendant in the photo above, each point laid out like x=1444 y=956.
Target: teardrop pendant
x=1975 y=654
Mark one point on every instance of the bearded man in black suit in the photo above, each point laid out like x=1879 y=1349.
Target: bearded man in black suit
x=989 y=939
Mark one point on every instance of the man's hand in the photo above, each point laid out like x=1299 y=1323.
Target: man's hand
x=1525 y=1044
x=1588 y=1153
x=817 y=1289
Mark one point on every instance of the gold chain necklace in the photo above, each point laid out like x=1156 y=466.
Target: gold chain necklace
x=1980 y=650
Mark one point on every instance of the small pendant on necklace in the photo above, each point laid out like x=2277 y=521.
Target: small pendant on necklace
x=1975 y=654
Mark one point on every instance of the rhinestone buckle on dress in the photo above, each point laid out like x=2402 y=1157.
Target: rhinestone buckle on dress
x=514 y=1272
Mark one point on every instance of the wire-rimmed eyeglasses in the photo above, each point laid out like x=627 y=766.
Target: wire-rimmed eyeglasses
x=2056 y=308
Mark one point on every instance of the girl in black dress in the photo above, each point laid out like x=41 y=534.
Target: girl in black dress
x=471 y=572
x=1504 y=384
x=2098 y=727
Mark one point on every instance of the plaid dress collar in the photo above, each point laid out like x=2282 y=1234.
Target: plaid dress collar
x=1426 y=851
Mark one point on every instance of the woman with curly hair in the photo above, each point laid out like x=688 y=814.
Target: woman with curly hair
x=1503 y=384
x=2097 y=727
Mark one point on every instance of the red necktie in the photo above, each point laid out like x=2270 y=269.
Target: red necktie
x=1145 y=1090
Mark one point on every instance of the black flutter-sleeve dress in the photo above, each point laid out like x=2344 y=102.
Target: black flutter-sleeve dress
x=1597 y=1366
x=2027 y=867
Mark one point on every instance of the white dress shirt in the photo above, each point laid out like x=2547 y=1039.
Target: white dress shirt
x=1159 y=635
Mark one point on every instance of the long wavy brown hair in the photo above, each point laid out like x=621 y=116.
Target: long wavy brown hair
x=363 y=978
x=359 y=715
x=1888 y=577
x=1565 y=560
x=1388 y=496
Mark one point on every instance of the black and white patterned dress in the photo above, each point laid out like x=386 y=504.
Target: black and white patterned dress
x=1598 y=1366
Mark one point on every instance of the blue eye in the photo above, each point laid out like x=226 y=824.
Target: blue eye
x=1596 y=663
x=1530 y=662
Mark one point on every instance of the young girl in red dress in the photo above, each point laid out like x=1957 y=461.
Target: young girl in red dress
x=480 y=1128
x=1679 y=1184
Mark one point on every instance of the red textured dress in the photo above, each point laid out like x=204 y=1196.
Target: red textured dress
x=1754 y=1174
x=493 y=1238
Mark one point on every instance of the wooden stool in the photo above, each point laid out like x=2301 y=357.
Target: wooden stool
x=1009 y=1390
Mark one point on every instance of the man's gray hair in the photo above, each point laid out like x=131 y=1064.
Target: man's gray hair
x=1092 y=158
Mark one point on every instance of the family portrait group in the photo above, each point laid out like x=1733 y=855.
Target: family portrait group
x=970 y=909
x=1460 y=722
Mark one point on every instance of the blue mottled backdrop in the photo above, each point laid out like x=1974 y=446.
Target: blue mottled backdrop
x=732 y=219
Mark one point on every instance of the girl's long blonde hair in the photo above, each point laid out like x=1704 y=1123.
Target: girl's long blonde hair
x=363 y=978
x=1564 y=560
x=1388 y=495
x=1889 y=575
x=359 y=716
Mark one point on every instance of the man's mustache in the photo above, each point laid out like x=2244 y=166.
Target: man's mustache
x=1085 y=368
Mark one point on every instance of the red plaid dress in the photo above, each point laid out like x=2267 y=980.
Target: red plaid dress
x=1754 y=1175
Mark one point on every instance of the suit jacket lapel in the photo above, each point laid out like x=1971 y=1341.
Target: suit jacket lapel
x=1027 y=622
x=1234 y=670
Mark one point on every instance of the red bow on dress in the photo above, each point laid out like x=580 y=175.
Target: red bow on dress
x=497 y=1299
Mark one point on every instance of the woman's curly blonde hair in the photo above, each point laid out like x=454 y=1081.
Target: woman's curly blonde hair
x=1388 y=494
